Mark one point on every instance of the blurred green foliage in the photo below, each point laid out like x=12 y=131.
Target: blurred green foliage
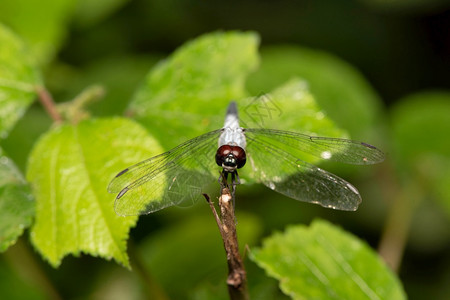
x=14 y=287
x=169 y=244
x=338 y=88
x=42 y=24
x=177 y=252
x=421 y=153
x=419 y=126
x=17 y=81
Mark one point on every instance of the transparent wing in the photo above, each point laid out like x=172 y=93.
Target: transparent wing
x=171 y=178
x=274 y=158
x=332 y=149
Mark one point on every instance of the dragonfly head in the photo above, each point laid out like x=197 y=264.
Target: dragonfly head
x=230 y=158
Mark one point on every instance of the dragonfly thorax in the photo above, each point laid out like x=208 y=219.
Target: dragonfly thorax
x=230 y=158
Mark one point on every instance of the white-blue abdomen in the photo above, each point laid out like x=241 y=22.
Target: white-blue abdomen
x=232 y=134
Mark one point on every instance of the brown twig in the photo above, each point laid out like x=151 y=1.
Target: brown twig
x=237 y=278
x=216 y=216
x=47 y=101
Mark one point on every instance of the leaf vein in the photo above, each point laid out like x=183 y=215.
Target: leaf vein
x=314 y=269
x=89 y=183
x=347 y=268
x=53 y=202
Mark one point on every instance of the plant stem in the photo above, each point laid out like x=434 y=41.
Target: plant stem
x=395 y=233
x=75 y=110
x=46 y=100
x=406 y=197
x=24 y=263
x=237 y=277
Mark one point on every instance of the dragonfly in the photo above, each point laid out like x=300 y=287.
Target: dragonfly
x=272 y=157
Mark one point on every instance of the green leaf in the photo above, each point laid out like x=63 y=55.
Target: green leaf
x=419 y=129
x=340 y=90
x=324 y=262
x=188 y=93
x=16 y=203
x=42 y=24
x=17 y=80
x=70 y=168
x=291 y=107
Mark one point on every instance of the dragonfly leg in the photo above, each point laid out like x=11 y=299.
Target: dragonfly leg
x=223 y=179
x=234 y=182
x=237 y=180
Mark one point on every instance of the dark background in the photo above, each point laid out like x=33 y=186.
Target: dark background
x=400 y=50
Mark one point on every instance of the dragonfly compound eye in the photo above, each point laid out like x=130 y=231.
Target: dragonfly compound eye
x=230 y=157
x=240 y=156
